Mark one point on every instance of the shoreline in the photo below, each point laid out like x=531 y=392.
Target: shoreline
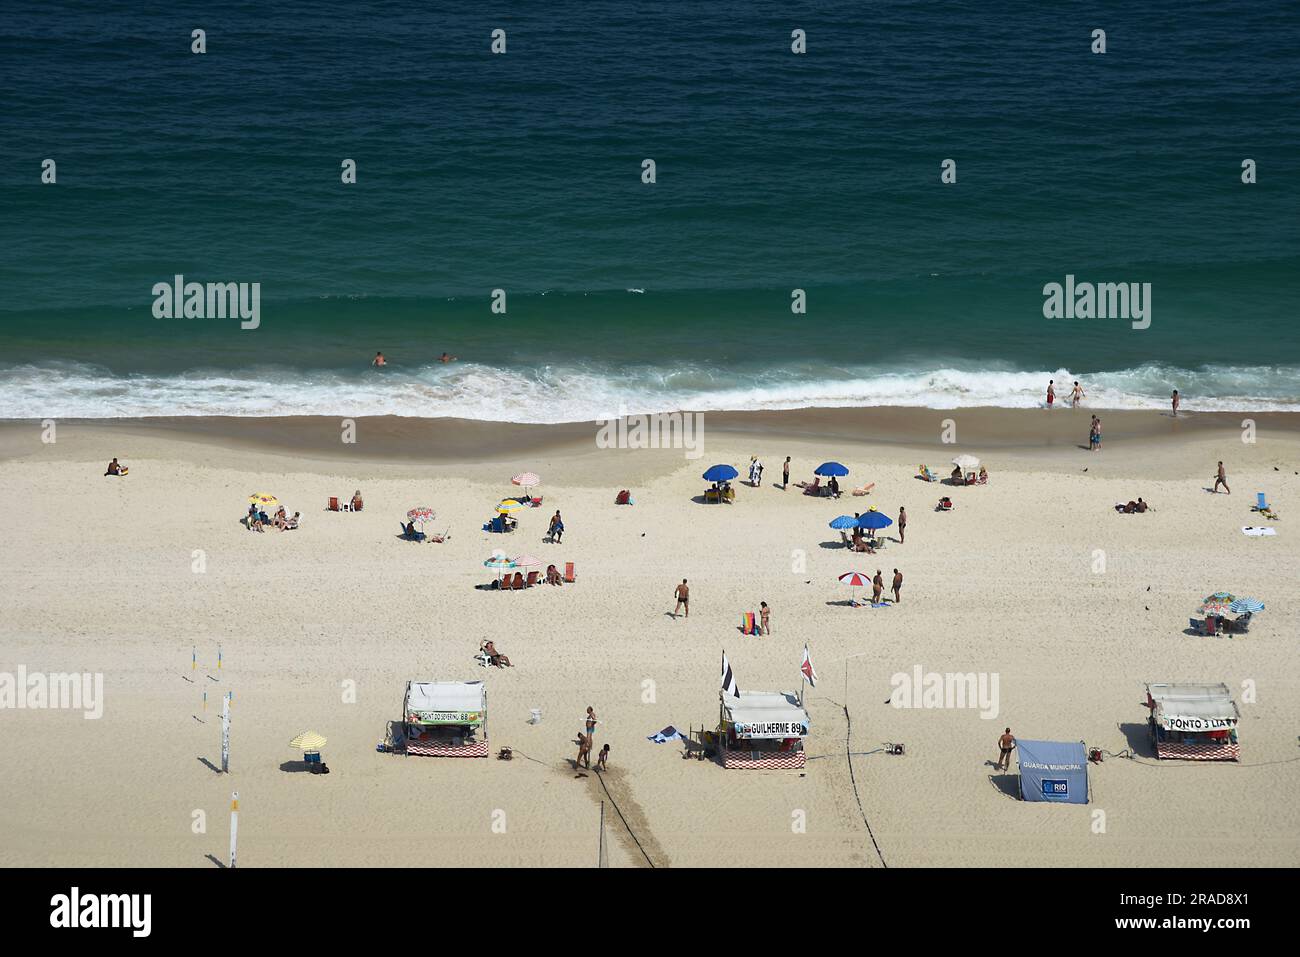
x=1034 y=434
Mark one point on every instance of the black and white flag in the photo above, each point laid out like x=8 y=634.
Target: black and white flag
x=729 y=685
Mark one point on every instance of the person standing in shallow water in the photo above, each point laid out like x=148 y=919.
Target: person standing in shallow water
x=1051 y=392
x=378 y=360
x=1175 y=400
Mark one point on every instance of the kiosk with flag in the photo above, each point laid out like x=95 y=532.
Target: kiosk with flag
x=761 y=729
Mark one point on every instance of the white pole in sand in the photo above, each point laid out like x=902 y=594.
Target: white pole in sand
x=225 y=733
x=234 y=825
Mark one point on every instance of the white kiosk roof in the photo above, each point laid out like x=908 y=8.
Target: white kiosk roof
x=446 y=702
x=1193 y=707
x=766 y=714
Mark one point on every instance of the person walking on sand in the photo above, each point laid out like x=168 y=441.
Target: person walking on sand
x=897 y=585
x=1094 y=434
x=683 y=596
x=902 y=524
x=877 y=586
x=1175 y=400
x=602 y=759
x=584 y=753
x=590 y=722
x=1005 y=743
x=1076 y=394
x=1222 y=479
x=785 y=474
x=556 y=531
x=1051 y=393
x=764 y=614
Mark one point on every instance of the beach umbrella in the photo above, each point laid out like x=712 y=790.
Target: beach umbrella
x=528 y=561
x=1246 y=605
x=308 y=741
x=421 y=514
x=831 y=468
x=526 y=480
x=844 y=521
x=855 y=580
x=720 y=473
x=510 y=505
x=262 y=498
x=966 y=462
x=1220 y=597
x=499 y=562
x=874 y=520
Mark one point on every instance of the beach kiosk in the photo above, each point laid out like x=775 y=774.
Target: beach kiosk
x=1054 y=771
x=445 y=719
x=762 y=729
x=1193 y=722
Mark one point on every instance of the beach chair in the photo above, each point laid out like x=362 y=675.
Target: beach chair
x=927 y=475
x=728 y=494
x=519 y=581
x=712 y=495
x=506 y=583
x=1261 y=505
x=333 y=505
x=532 y=580
x=623 y=498
x=570 y=575
x=865 y=489
x=345 y=506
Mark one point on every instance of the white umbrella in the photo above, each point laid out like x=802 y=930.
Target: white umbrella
x=965 y=462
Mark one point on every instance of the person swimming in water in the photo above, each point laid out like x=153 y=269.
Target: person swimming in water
x=447 y=357
x=379 y=360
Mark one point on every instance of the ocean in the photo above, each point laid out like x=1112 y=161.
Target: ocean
x=522 y=172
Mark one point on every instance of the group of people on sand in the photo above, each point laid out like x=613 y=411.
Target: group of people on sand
x=586 y=738
x=878 y=586
x=257 y=520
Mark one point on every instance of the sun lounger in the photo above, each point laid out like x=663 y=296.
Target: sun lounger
x=519 y=581
x=712 y=495
x=333 y=506
x=865 y=489
x=506 y=584
x=570 y=575
x=532 y=580
x=1261 y=505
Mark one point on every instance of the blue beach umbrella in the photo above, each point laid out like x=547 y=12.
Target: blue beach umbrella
x=874 y=520
x=844 y=521
x=720 y=473
x=1242 y=605
x=831 y=468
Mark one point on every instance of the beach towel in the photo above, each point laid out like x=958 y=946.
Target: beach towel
x=1253 y=530
x=747 y=626
x=667 y=734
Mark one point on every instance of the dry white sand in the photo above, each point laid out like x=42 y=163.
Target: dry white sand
x=100 y=576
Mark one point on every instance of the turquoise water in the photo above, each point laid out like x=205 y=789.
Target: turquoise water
x=523 y=172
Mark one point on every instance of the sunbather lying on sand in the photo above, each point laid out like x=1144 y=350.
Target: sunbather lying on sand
x=1132 y=507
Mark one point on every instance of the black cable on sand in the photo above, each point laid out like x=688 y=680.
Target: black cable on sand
x=601 y=778
x=854 y=781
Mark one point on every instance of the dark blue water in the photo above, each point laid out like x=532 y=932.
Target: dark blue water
x=522 y=172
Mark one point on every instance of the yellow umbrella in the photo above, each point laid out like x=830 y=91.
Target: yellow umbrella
x=261 y=498
x=308 y=741
x=510 y=505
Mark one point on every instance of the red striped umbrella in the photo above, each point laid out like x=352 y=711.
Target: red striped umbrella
x=855 y=580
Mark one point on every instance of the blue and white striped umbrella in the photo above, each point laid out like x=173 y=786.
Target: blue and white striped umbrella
x=1243 y=605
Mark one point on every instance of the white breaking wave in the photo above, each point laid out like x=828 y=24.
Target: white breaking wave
x=551 y=394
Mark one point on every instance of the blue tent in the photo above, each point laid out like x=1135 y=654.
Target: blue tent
x=831 y=468
x=720 y=473
x=1053 y=771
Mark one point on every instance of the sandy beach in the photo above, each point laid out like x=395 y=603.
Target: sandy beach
x=124 y=576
